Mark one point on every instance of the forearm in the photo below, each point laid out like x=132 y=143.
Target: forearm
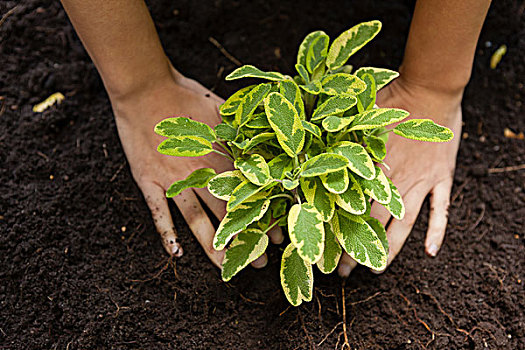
x=121 y=39
x=442 y=43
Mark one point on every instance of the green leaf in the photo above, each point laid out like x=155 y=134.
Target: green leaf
x=303 y=73
x=331 y=253
x=180 y=126
x=342 y=84
x=317 y=52
x=305 y=46
x=353 y=199
x=242 y=192
x=306 y=230
x=424 y=130
x=258 y=139
x=333 y=105
x=319 y=197
x=250 y=102
x=198 y=179
x=290 y=184
x=380 y=231
x=312 y=128
x=367 y=99
x=225 y=132
x=378 y=188
x=381 y=76
x=185 y=146
x=229 y=107
x=254 y=168
x=333 y=123
x=323 y=164
x=313 y=87
x=279 y=207
x=347 y=68
x=349 y=42
x=336 y=182
x=279 y=165
x=378 y=117
x=249 y=71
x=222 y=185
x=258 y=121
x=297 y=278
x=245 y=248
x=359 y=160
x=285 y=121
x=239 y=218
x=292 y=93
x=317 y=147
x=359 y=240
x=376 y=146
x=395 y=206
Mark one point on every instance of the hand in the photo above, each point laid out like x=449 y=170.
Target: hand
x=418 y=168
x=136 y=115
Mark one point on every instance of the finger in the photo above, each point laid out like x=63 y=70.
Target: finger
x=160 y=212
x=437 y=224
x=346 y=265
x=276 y=235
x=398 y=230
x=199 y=224
x=380 y=213
x=260 y=262
x=217 y=206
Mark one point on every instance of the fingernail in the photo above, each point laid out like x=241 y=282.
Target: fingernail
x=276 y=234
x=260 y=262
x=344 y=270
x=176 y=250
x=433 y=250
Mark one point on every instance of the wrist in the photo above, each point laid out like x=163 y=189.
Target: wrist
x=446 y=83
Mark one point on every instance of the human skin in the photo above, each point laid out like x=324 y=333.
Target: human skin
x=144 y=88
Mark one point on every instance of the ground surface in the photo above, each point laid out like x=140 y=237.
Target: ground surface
x=70 y=278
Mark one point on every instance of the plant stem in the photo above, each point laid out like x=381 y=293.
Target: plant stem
x=272 y=225
x=224 y=155
x=282 y=195
x=384 y=132
x=224 y=147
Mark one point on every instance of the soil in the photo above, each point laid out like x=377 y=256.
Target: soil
x=82 y=266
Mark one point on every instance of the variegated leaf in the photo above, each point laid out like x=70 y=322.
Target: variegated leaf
x=245 y=248
x=286 y=123
x=249 y=71
x=376 y=146
x=258 y=121
x=336 y=182
x=359 y=240
x=323 y=164
x=317 y=52
x=378 y=117
x=359 y=160
x=378 y=188
x=342 y=84
x=222 y=185
x=185 y=146
x=332 y=251
x=367 y=99
x=396 y=206
x=333 y=105
x=239 y=218
x=423 y=130
x=350 y=41
x=380 y=231
x=279 y=165
x=312 y=128
x=316 y=195
x=250 y=102
x=242 y=192
x=292 y=93
x=279 y=207
x=254 y=168
x=225 y=132
x=333 y=123
x=353 y=199
x=290 y=184
x=197 y=179
x=303 y=73
x=381 y=76
x=313 y=87
x=306 y=230
x=229 y=107
x=258 y=139
x=180 y=126
x=305 y=46
x=297 y=278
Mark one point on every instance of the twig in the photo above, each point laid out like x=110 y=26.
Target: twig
x=459 y=190
x=7 y=14
x=506 y=169
x=366 y=299
x=224 y=51
x=480 y=217
x=117 y=172
x=346 y=343
x=251 y=301
x=329 y=333
x=284 y=311
x=310 y=341
x=43 y=155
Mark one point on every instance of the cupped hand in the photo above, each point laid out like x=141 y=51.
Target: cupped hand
x=418 y=168
x=136 y=115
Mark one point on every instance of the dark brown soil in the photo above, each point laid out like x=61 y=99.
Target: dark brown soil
x=72 y=278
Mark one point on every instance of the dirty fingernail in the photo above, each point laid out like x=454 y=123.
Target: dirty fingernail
x=260 y=262
x=433 y=250
x=344 y=270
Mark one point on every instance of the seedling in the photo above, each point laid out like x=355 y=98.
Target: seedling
x=306 y=152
